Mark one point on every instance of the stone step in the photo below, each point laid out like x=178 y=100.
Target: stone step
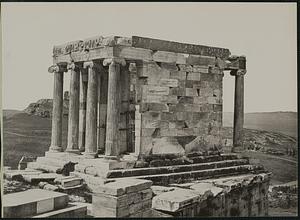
x=174 y=169
x=43 y=177
x=171 y=156
x=156 y=161
x=182 y=177
x=68 y=181
x=43 y=167
x=52 y=161
x=73 y=210
x=213 y=158
x=18 y=174
x=196 y=157
x=32 y=202
x=91 y=181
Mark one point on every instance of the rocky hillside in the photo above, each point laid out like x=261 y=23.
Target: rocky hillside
x=43 y=107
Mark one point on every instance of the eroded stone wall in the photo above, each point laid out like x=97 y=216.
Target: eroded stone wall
x=178 y=108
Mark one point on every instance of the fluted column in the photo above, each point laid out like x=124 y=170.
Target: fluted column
x=56 y=133
x=113 y=107
x=73 y=122
x=82 y=109
x=238 y=121
x=91 y=110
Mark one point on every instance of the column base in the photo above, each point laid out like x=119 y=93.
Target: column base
x=55 y=149
x=90 y=155
x=110 y=157
x=238 y=149
x=72 y=151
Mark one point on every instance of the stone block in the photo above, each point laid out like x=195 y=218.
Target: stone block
x=169 y=66
x=168 y=57
x=206 y=189
x=109 y=201
x=124 y=186
x=168 y=132
x=212 y=100
x=180 y=75
x=73 y=210
x=177 y=91
x=36 y=178
x=174 y=201
x=193 y=76
x=187 y=68
x=185 y=99
x=69 y=181
x=177 y=108
x=140 y=206
x=154 y=90
x=147 y=132
x=168 y=116
x=183 y=116
x=186 y=132
x=101 y=211
x=201 y=61
x=157 y=190
x=168 y=82
x=191 y=92
x=148 y=123
x=166 y=145
x=140 y=196
x=172 y=99
x=157 y=107
x=206 y=108
x=32 y=202
x=201 y=69
x=18 y=174
x=196 y=85
x=200 y=100
x=217 y=108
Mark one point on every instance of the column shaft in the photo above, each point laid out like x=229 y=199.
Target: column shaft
x=56 y=134
x=91 y=113
x=238 y=121
x=112 y=148
x=102 y=100
x=73 y=122
x=82 y=110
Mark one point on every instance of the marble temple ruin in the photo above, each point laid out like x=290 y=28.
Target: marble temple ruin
x=145 y=117
x=129 y=94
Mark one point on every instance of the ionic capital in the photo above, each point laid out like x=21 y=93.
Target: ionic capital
x=60 y=67
x=240 y=72
x=91 y=64
x=114 y=60
x=73 y=66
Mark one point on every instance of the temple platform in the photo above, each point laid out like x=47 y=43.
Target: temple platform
x=160 y=169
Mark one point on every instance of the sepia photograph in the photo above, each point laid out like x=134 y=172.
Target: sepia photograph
x=149 y=109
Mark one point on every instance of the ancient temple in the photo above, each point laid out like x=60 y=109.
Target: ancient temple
x=146 y=111
x=140 y=95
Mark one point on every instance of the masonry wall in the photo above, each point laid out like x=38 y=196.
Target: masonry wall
x=178 y=108
x=243 y=201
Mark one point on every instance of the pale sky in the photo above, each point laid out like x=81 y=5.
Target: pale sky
x=264 y=32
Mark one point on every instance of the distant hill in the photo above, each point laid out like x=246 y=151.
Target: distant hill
x=282 y=122
x=7 y=113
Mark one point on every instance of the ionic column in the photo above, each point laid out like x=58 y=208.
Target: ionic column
x=56 y=133
x=113 y=107
x=102 y=101
x=238 y=121
x=82 y=109
x=73 y=122
x=91 y=110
